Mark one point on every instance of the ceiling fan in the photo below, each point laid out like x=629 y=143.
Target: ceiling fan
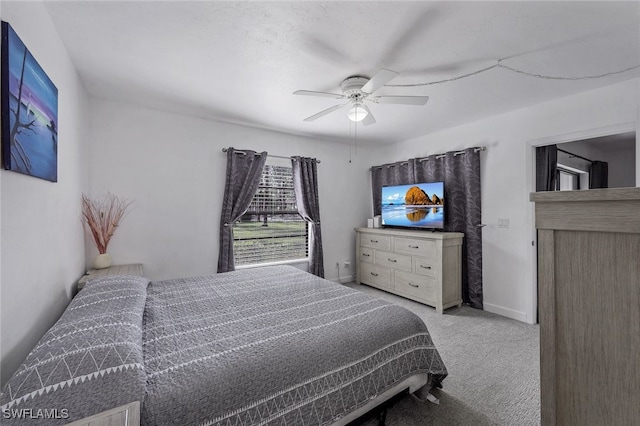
x=358 y=89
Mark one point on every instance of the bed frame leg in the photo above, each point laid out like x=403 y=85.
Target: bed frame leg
x=382 y=417
x=379 y=412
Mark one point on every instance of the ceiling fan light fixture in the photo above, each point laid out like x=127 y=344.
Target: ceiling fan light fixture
x=357 y=113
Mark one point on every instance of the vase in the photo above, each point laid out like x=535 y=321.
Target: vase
x=102 y=261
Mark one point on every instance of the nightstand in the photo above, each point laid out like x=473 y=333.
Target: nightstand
x=131 y=269
x=126 y=415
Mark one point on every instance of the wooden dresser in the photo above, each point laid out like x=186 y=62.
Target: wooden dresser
x=589 y=299
x=419 y=265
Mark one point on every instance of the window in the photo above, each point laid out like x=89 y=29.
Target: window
x=271 y=230
x=567 y=181
x=570 y=178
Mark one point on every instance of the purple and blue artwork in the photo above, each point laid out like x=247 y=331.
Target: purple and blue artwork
x=29 y=112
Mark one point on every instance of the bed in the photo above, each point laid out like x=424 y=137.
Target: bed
x=271 y=346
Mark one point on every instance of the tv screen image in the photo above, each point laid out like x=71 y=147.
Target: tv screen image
x=418 y=205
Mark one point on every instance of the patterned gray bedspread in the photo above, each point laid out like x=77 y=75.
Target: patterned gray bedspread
x=273 y=346
x=90 y=361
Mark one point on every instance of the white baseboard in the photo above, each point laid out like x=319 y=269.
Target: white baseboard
x=342 y=280
x=505 y=312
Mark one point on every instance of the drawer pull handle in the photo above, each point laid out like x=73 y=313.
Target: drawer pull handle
x=425 y=267
x=414 y=285
x=392 y=260
x=374 y=274
x=374 y=241
x=366 y=254
x=410 y=246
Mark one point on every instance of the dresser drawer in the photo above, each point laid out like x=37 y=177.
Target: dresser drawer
x=425 y=266
x=415 y=246
x=375 y=275
x=380 y=242
x=416 y=285
x=366 y=254
x=393 y=260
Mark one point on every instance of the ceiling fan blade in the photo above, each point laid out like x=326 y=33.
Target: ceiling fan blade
x=325 y=112
x=380 y=79
x=369 y=119
x=321 y=94
x=401 y=100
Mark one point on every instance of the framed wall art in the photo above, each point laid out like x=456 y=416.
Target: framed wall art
x=29 y=111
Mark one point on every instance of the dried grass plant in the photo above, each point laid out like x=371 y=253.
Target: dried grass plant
x=102 y=216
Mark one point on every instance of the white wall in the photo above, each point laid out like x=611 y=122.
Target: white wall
x=623 y=173
x=508 y=256
x=42 y=242
x=173 y=168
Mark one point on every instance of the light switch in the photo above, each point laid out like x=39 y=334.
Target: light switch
x=503 y=223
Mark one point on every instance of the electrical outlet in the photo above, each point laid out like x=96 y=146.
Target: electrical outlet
x=347 y=264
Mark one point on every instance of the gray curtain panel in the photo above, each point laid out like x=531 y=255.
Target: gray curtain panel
x=305 y=186
x=244 y=169
x=400 y=173
x=546 y=167
x=599 y=175
x=463 y=213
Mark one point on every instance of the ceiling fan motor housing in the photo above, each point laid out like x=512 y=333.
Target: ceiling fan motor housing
x=352 y=87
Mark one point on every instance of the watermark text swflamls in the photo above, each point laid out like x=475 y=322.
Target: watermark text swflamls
x=33 y=413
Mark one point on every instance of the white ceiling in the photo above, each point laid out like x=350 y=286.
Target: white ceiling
x=240 y=61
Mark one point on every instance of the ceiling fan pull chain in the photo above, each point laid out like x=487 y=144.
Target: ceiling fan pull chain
x=349 y=145
x=355 y=140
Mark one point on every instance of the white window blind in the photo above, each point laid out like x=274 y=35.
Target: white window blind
x=271 y=230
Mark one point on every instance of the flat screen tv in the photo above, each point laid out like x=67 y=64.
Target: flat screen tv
x=419 y=205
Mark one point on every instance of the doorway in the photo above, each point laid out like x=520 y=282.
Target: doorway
x=615 y=145
x=618 y=151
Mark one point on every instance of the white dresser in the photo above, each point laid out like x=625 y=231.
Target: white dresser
x=419 y=265
x=125 y=415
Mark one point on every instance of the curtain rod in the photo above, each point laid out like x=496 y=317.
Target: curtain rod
x=268 y=155
x=476 y=149
x=455 y=154
x=574 y=155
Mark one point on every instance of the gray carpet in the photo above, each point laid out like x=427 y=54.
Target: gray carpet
x=493 y=365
